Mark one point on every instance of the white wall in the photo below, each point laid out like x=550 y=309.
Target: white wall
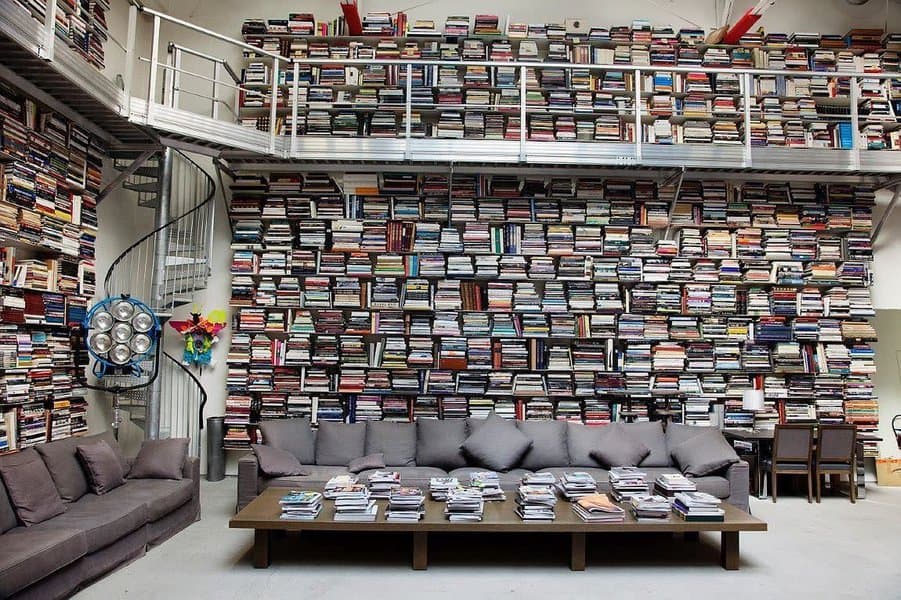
x=226 y=16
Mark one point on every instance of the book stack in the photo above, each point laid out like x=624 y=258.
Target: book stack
x=464 y=505
x=383 y=483
x=536 y=502
x=648 y=507
x=598 y=508
x=489 y=484
x=405 y=505
x=354 y=503
x=301 y=505
x=575 y=484
x=338 y=482
x=698 y=507
x=441 y=487
x=670 y=484
x=627 y=483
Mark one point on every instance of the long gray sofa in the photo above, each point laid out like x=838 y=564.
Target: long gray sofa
x=729 y=484
x=95 y=534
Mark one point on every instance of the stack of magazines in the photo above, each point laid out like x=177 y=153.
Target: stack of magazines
x=627 y=482
x=440 y=487
x=576 y=484
x=405 y=504
x=301 y=505
x=464 y=504
x=536 y=502
x=598 y=508
x=539 y=479
x=698 y=506
x=489 y=483
x=648 y=507
x=382 y=483
x=669 y=484
x=338 y=482
x=354 y=504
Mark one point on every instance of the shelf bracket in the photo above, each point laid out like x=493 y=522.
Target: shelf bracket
x=886 y=214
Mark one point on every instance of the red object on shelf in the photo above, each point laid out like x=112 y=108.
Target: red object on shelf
x=747 y=20
x=352 y=17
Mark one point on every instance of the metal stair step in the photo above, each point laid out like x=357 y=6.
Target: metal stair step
x=151 y=187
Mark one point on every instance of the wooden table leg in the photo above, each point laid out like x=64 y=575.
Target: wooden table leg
x=261 y=543
x=729 y=555
x=577 y=552
x=420 y=550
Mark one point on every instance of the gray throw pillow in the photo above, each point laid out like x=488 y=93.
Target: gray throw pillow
x=619 y=449
x=497 y=444
x=160 y=459
x=101 y=465
x=339 y=443
x=581 y=440
x=293 y=435
x=31 y=490
x=649 y=433
x=397 y=441
x=548 y=444
x=65 y=467
x=704 y=453
x=438 y=443
x=676 y=433
x=370 y=461
x=276 y=462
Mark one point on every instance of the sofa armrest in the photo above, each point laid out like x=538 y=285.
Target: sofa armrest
x=739 y=476
x=248 y=475
x=192 y=471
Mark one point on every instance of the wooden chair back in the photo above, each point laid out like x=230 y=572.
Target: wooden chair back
x=793 y=444
x=836 y=444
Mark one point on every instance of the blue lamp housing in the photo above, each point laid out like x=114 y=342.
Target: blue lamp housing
x=120 y=333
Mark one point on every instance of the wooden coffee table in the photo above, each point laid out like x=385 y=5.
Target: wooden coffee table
x=262 y=515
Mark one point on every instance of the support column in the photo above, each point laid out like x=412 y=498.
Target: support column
x=158 y=284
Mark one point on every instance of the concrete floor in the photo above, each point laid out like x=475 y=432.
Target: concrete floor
x=831 y=550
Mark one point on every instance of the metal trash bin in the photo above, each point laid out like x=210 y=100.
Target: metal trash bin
x=215 y=452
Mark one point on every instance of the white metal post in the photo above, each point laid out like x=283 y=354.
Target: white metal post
x=855 y=124
x=746 y=99
x=408 y=110
x=273 y=106
x=130 y=56
x=154 y=65
x=176 y=77
x=217 y=66
x=295 y=85
x=46 y=49
x=522 y=114
x=637 y=106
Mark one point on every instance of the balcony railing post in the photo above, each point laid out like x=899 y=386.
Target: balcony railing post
x=637 y=107
x=522 y=113
x=295 y=84
x=46 y=49
x=154 y=66
x=408 y=110
x=855 y=123
x=168 y=74
x=176 y=77
x=273 y=106
x=130 y=56
x=746 y=114
x=217 y=68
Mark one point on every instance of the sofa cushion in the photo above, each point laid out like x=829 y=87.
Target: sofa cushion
x=713 y=485
x=497 y=444
x=676 y=433
x=276 y=462
x=438 y=443
x=368 y=462
x=317 y=478
x=103 y=519
x=160 y=459
x=159 y=496
x=29 y=555
x=339 y=443
x=619 y=449
x=704 y=453
x=548 y=444
x=650 y=433
x=31 y=489
x=580 y=441
x=7 y=512
x=293 y=435
x=397 y=441
x=65 y=468
x=101 y=465
x=410 y=476
x=509 y=480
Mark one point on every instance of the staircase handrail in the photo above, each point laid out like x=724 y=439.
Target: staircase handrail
x=197 y=383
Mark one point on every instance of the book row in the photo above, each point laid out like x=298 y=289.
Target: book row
x=35 y=423
x=80 y=24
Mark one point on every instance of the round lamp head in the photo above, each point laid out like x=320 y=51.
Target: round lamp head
x=122 y=332
x=142 y=322
x=141 y=343
x=102 y=321
x=120 y=354
x=100 y=343
x=123 y=310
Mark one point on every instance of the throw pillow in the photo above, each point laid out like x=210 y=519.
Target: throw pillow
x=497 y=445
x=339 y=443
x=619 y=449
x=649 y=433
x=704 y=453
x=438 y=443
x=581 y=440
x=62 y=461
x=370 y=461
x=548 y=444
x=160 y=459
x=101 y=465
x=30 y=486
x=276 y=462
x=397 y=441
x=293 y=435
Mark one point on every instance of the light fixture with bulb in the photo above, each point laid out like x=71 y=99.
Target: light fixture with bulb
x=121 y=333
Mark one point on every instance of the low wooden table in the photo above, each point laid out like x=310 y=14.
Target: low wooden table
x=262 y=515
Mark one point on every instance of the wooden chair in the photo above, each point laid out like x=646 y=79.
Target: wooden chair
x=792 y=455
x=836 y=454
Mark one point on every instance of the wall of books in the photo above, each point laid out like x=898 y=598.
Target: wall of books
x=571 y=103
x=51 y=171
x=81 y=24
x=402 y=296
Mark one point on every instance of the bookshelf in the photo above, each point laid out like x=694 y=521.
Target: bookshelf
x=400 y=296
x=565 y=83
x=51 y=173
x=81 y=24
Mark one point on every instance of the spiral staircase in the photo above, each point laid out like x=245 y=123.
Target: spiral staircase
x=164 y=268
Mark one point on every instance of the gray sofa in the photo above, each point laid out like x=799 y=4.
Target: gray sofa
x=95 y=534
x=409 y=449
